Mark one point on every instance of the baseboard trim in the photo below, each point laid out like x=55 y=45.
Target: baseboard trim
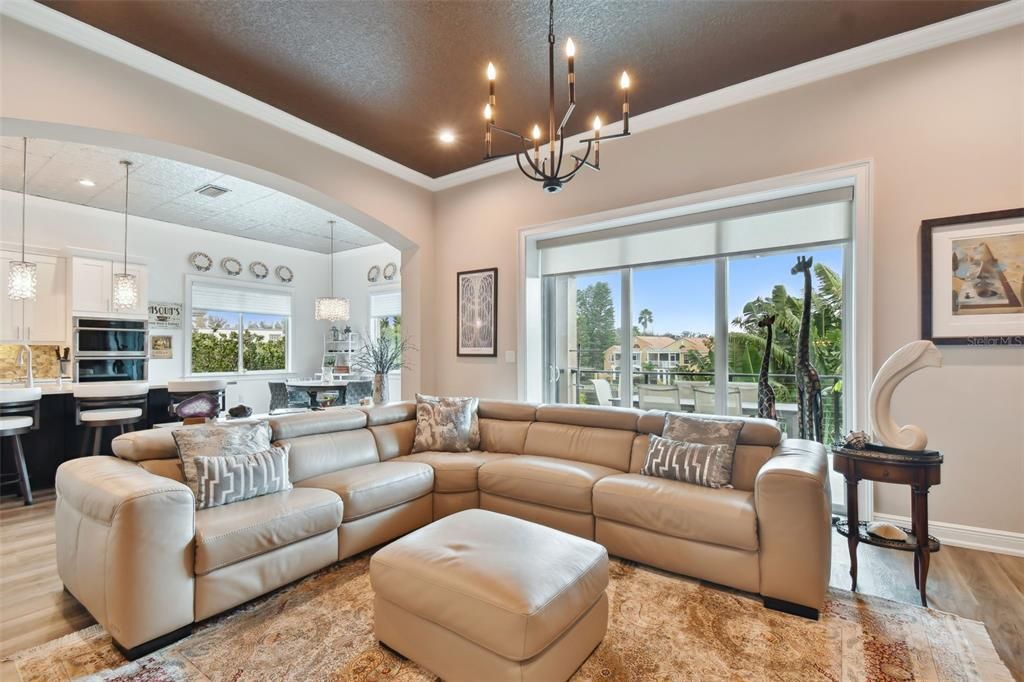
x=969 y=537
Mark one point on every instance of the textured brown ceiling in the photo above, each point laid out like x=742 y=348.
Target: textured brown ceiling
x=389 y=74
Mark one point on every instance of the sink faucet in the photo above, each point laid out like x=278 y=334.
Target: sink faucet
x=25 y=358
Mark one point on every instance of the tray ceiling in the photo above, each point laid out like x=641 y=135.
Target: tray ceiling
x=165 y=190
x=390 y=74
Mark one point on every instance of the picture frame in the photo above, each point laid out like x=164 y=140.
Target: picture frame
x=161 y=347
x=972 y=279
x=476 y=333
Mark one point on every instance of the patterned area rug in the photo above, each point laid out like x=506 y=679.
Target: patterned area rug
x=662 y=627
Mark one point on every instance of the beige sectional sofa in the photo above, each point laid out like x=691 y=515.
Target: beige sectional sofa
x=134 y=551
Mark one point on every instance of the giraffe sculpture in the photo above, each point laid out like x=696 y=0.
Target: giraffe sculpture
x=808 y=385
x=765 y=392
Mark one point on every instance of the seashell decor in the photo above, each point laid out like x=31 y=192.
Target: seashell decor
x=857 y=440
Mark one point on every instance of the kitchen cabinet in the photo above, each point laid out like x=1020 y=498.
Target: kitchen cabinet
x=92 y=287
x=43 y=320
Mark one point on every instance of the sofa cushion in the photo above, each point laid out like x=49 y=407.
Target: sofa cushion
x=321 y=421
x=721 y=516
x=322 y=453
x=605 y=447
x=500 y=435
x=372 y=488
x=550 y=481
x=234 y=532
x=454 y=472
x=394 y=440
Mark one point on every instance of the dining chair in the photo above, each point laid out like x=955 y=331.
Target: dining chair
x=283 y=398
x=603 y=390
x=657 y=397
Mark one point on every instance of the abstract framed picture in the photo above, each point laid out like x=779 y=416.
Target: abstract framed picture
x=972 y=279
x=477 y=297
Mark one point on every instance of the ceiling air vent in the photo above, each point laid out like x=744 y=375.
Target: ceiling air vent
x=212 y=191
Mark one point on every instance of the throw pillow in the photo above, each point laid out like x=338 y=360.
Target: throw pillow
x=233 y=478
x=688 y=462
x=706 y=431
x=446 y=424
x=218 y=441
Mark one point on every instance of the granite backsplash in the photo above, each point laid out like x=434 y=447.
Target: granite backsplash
x=44 y=362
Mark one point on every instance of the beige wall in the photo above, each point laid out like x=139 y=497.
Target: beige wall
x=944 y=132
x=53 y=88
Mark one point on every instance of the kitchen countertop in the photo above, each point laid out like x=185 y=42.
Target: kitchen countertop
x=51 y=387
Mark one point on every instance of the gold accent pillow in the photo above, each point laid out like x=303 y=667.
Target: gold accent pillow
x=446 y=424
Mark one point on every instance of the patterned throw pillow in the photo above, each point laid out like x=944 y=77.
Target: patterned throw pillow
x=233 y=478
x=218 y=441
x=688 y=462
x=446 y=424
x=706 y=431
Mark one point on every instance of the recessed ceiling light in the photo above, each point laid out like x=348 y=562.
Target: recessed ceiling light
x=447 y=136
x=86 y=182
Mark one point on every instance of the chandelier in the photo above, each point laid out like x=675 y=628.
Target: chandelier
x=331 y=307
x=21 y=275
x=548 y=170
x=126 y=286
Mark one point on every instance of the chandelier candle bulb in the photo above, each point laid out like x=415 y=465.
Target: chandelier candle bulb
x=570 y=51
x=536 y=145
x=492 y=75
x=624 y=82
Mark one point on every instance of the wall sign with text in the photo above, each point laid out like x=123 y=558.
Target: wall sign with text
x=164 y=315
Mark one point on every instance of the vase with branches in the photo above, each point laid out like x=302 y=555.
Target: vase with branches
x=380 y=356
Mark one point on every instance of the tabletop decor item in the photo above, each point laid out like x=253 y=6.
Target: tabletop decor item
x=901 y=364
x=232 y=266
x=808 y=384
x=284 y=273
x=972 y=279
x=381 y=356
x=373 y=274
x=856 y=440
x=390 y=270
x=200 y=261
x=259 y=269
x=240 y=412
x=477 y=303
x=199 y=406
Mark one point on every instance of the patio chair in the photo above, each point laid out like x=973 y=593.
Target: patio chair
x=704 y=401
x=686 y=388
x=747 y=389
x=656 y=397
x=603 y=390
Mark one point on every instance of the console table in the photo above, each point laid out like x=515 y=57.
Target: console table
x=888 y=465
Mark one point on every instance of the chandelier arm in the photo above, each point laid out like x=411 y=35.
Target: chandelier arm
x=561 y=155
x=565 y=119
x=510 y=133
x=580 y=163
x=533 y=177
x=605 y=138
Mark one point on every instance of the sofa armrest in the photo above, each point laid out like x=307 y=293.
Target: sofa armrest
x=794 y=508
x=125 y=547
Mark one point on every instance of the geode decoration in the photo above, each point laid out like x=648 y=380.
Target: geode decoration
x=856 y=440
x=240 y=411
x=199 y=406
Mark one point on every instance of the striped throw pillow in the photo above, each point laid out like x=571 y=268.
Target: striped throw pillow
x=233 y=478
x=706 y=465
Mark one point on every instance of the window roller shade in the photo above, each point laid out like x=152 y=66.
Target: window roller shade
x=807 y=219
x=218 y=296
x=386 y=304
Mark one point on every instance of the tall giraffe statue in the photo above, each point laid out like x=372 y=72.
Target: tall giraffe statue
x=808 y=385
x=765 y=392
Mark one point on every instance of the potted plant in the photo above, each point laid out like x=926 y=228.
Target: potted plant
x=381 y=356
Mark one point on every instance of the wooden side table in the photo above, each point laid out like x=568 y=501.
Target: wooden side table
x=887 y=465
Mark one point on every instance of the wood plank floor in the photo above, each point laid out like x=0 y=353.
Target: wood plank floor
x=988 y=587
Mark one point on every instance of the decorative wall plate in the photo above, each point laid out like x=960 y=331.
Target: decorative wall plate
x=284 y=273
x=390 y=270
x=373 y=274
x=259 y=269
x=232 y=266
x=200 y=261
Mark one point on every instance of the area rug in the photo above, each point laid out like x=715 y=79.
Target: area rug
x=662 y=627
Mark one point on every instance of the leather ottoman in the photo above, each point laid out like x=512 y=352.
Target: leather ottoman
x=484 y=596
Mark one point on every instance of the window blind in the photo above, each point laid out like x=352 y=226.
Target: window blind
x=803 y=220
x=386 y=304
x=218 y=296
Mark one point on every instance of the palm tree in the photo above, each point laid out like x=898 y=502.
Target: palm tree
x=646 y=318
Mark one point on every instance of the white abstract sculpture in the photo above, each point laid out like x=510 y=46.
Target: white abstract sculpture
x=901 y=364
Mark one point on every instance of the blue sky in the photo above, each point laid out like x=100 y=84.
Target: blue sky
x=682 y=297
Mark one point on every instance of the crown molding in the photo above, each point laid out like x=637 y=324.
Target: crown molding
x=93 y=39
x=967 y=26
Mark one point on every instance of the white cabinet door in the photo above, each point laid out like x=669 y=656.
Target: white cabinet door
x=91 y=285
x=46 y=317
x=12 y=319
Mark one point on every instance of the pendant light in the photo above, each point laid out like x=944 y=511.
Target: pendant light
x=126 y=288
x=21 y=277
x=330 y=307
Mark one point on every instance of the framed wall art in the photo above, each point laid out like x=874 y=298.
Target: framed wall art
x=972 y=279
x=477 y=300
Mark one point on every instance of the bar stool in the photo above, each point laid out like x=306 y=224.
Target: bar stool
x=182 y=389
x=109 y=403
x=19 y=413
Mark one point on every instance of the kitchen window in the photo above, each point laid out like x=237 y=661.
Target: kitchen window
x=238 y=329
